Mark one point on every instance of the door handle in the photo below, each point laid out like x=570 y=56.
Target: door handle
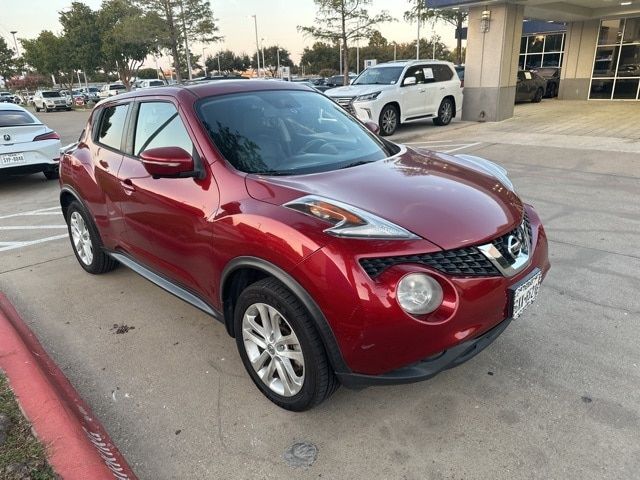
x=127 y=185
x=104 y=163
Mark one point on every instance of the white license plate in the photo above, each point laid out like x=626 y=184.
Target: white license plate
x=525 y=294
x=11 y=159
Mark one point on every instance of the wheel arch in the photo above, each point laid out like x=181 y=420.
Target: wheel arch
x=453 y=100
x=242 y=271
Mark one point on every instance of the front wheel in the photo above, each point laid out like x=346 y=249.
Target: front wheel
x=389 y=120
x=445 y=113
x=538 y=96
x=86 y=241
x=37 y=108
x=280 y=347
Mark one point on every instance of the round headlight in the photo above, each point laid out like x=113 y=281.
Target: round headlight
x=419 y=294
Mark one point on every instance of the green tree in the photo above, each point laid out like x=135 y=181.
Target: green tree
x=271 y=59
x=7 y=62
x=321 y=56
x=50 y=54
x=79 y=24
x=456 y=18
x=229 y=62
x=343 y=21
x=195 y=17
x=147 y=73
x=128 y=36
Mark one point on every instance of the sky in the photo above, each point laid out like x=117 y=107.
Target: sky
x=277 y=22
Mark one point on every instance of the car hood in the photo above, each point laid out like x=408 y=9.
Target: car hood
x=446 y=200
x=355 y=90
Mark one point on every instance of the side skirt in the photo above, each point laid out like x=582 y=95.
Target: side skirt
x=167 y=285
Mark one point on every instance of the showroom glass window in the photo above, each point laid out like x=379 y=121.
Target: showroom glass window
x=537 y=51
x=616 y=66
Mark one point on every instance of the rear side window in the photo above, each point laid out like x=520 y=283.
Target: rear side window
x=13 y=118
x=442 y=73
x=159 y=125
x=112 y=126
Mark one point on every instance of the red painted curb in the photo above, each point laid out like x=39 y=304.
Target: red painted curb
x=78 y=446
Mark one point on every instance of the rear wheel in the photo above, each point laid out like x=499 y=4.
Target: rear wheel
x=86 y=241
x=389 y=120
x=51 y=173
x=37 y=108
x=445 y=112
x=280 y=348
x=538 y=96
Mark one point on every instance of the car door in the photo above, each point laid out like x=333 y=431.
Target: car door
x=441 y=86
x=522 y=88
x=413 y=94
x=167 y=220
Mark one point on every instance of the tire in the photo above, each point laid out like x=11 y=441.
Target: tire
x=37 y=108
x=313 y=380
x=68 y=109
x=445 y=113
x=89 y=251
x=389 y=120
x=46 y=109
x=52 y=173
x=538 y=96
x=551 y=90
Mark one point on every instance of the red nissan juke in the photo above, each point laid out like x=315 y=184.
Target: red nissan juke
x=332 y=256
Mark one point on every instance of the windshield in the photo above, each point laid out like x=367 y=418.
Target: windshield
x=379 y=76
x=116 y=87
x=286 y=132
x=14 y=118
x=50 y=94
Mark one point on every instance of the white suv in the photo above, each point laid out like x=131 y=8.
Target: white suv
x=48 y=100
x=403 y=91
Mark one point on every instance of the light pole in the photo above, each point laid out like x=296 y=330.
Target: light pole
x=340 y=59
x=264 y=65
x=13 y=32
x=219 y=69
x=395 y=46
x=186 y=42
x=255 y=24
x=204 y=65
x=278 y=56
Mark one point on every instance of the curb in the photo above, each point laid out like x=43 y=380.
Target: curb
x=78 y=447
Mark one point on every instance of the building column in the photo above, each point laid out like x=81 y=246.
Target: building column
x=577 y=63
x=491 y=64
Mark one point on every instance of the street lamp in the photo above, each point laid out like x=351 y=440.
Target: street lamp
x=13 y=32
x=204 y=64
x=264 y=65
x=255 y=24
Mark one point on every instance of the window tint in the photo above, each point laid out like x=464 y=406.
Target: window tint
x=417 y=72
x=442 y=73
x=11 y=118
x=112 y=125
x=159 y=125
x=51 y=94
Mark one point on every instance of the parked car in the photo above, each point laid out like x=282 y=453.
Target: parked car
x=91 y=94
x=338 y=80
x=460 y=72
x=26 y=144
x=530 y=87
x=111 y=89
x=149 y=83
x=552 y=76
x=401 y=92
x=48 y=100
x=260 y=204
x=6 y=97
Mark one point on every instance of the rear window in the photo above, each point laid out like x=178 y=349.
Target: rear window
x=13 y=118
x=116 y=87
x=156 y=83
x=112 y=126
x=50 y=94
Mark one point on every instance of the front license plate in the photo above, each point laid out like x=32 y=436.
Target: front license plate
x=11 y=159
x=525 y=293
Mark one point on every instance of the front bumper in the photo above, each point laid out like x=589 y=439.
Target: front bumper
x=429 y=367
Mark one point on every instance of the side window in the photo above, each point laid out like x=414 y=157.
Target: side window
x=520 y=76
x=442 y=73
x=112 y=123
x=416 y=72
x=159 y=125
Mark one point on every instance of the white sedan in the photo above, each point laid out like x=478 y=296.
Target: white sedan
x=26 y=144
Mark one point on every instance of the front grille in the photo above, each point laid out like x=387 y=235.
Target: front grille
x=462 y=262
x=501 y=242
x=346 y=103
x=465 y=262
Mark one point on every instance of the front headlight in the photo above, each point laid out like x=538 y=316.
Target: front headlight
x=349 y=221
x=419 y=294
x=367 y=97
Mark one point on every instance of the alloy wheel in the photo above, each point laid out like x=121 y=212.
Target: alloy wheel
x=446 y=112
x=389 y=120
x=273 y=349
x=81 y=238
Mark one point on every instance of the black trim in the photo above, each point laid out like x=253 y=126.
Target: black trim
x=428 y=367
x=418 y=117
x=326 y=333
x=163 y=282
x=28 y=169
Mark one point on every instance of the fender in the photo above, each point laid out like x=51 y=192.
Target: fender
x=71 y=190
x=322 y=325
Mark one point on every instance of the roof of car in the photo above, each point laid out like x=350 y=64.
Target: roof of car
x=213 y=88
x=410 y=62
x=12 y=106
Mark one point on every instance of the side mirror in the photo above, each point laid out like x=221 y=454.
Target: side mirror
x=372 y=126
x=172 y=162
x=409 y=81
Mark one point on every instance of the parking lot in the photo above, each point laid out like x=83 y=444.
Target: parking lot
x=556 y=396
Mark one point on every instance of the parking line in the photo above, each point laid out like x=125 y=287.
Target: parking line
x=460 y=148
x=40 y=211
x=31 y=227
x=31 y=242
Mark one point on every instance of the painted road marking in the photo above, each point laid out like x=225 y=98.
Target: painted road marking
x=444 y=146
x=12 y=245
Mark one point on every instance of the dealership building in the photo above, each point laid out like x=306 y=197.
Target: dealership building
x=596 y=43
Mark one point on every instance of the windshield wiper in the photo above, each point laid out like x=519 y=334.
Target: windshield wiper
x=355 y=164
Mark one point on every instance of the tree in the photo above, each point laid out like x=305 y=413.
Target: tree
x=229 y=62
x=321 y=56
x=128 y=36
x=271 y=59
x=453 y=17
x=343 y=21
x=79 y=24
x=50 y=54
x=7 y=63
x=193 y=17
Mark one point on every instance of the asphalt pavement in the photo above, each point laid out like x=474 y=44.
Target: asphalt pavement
x=555 y=397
